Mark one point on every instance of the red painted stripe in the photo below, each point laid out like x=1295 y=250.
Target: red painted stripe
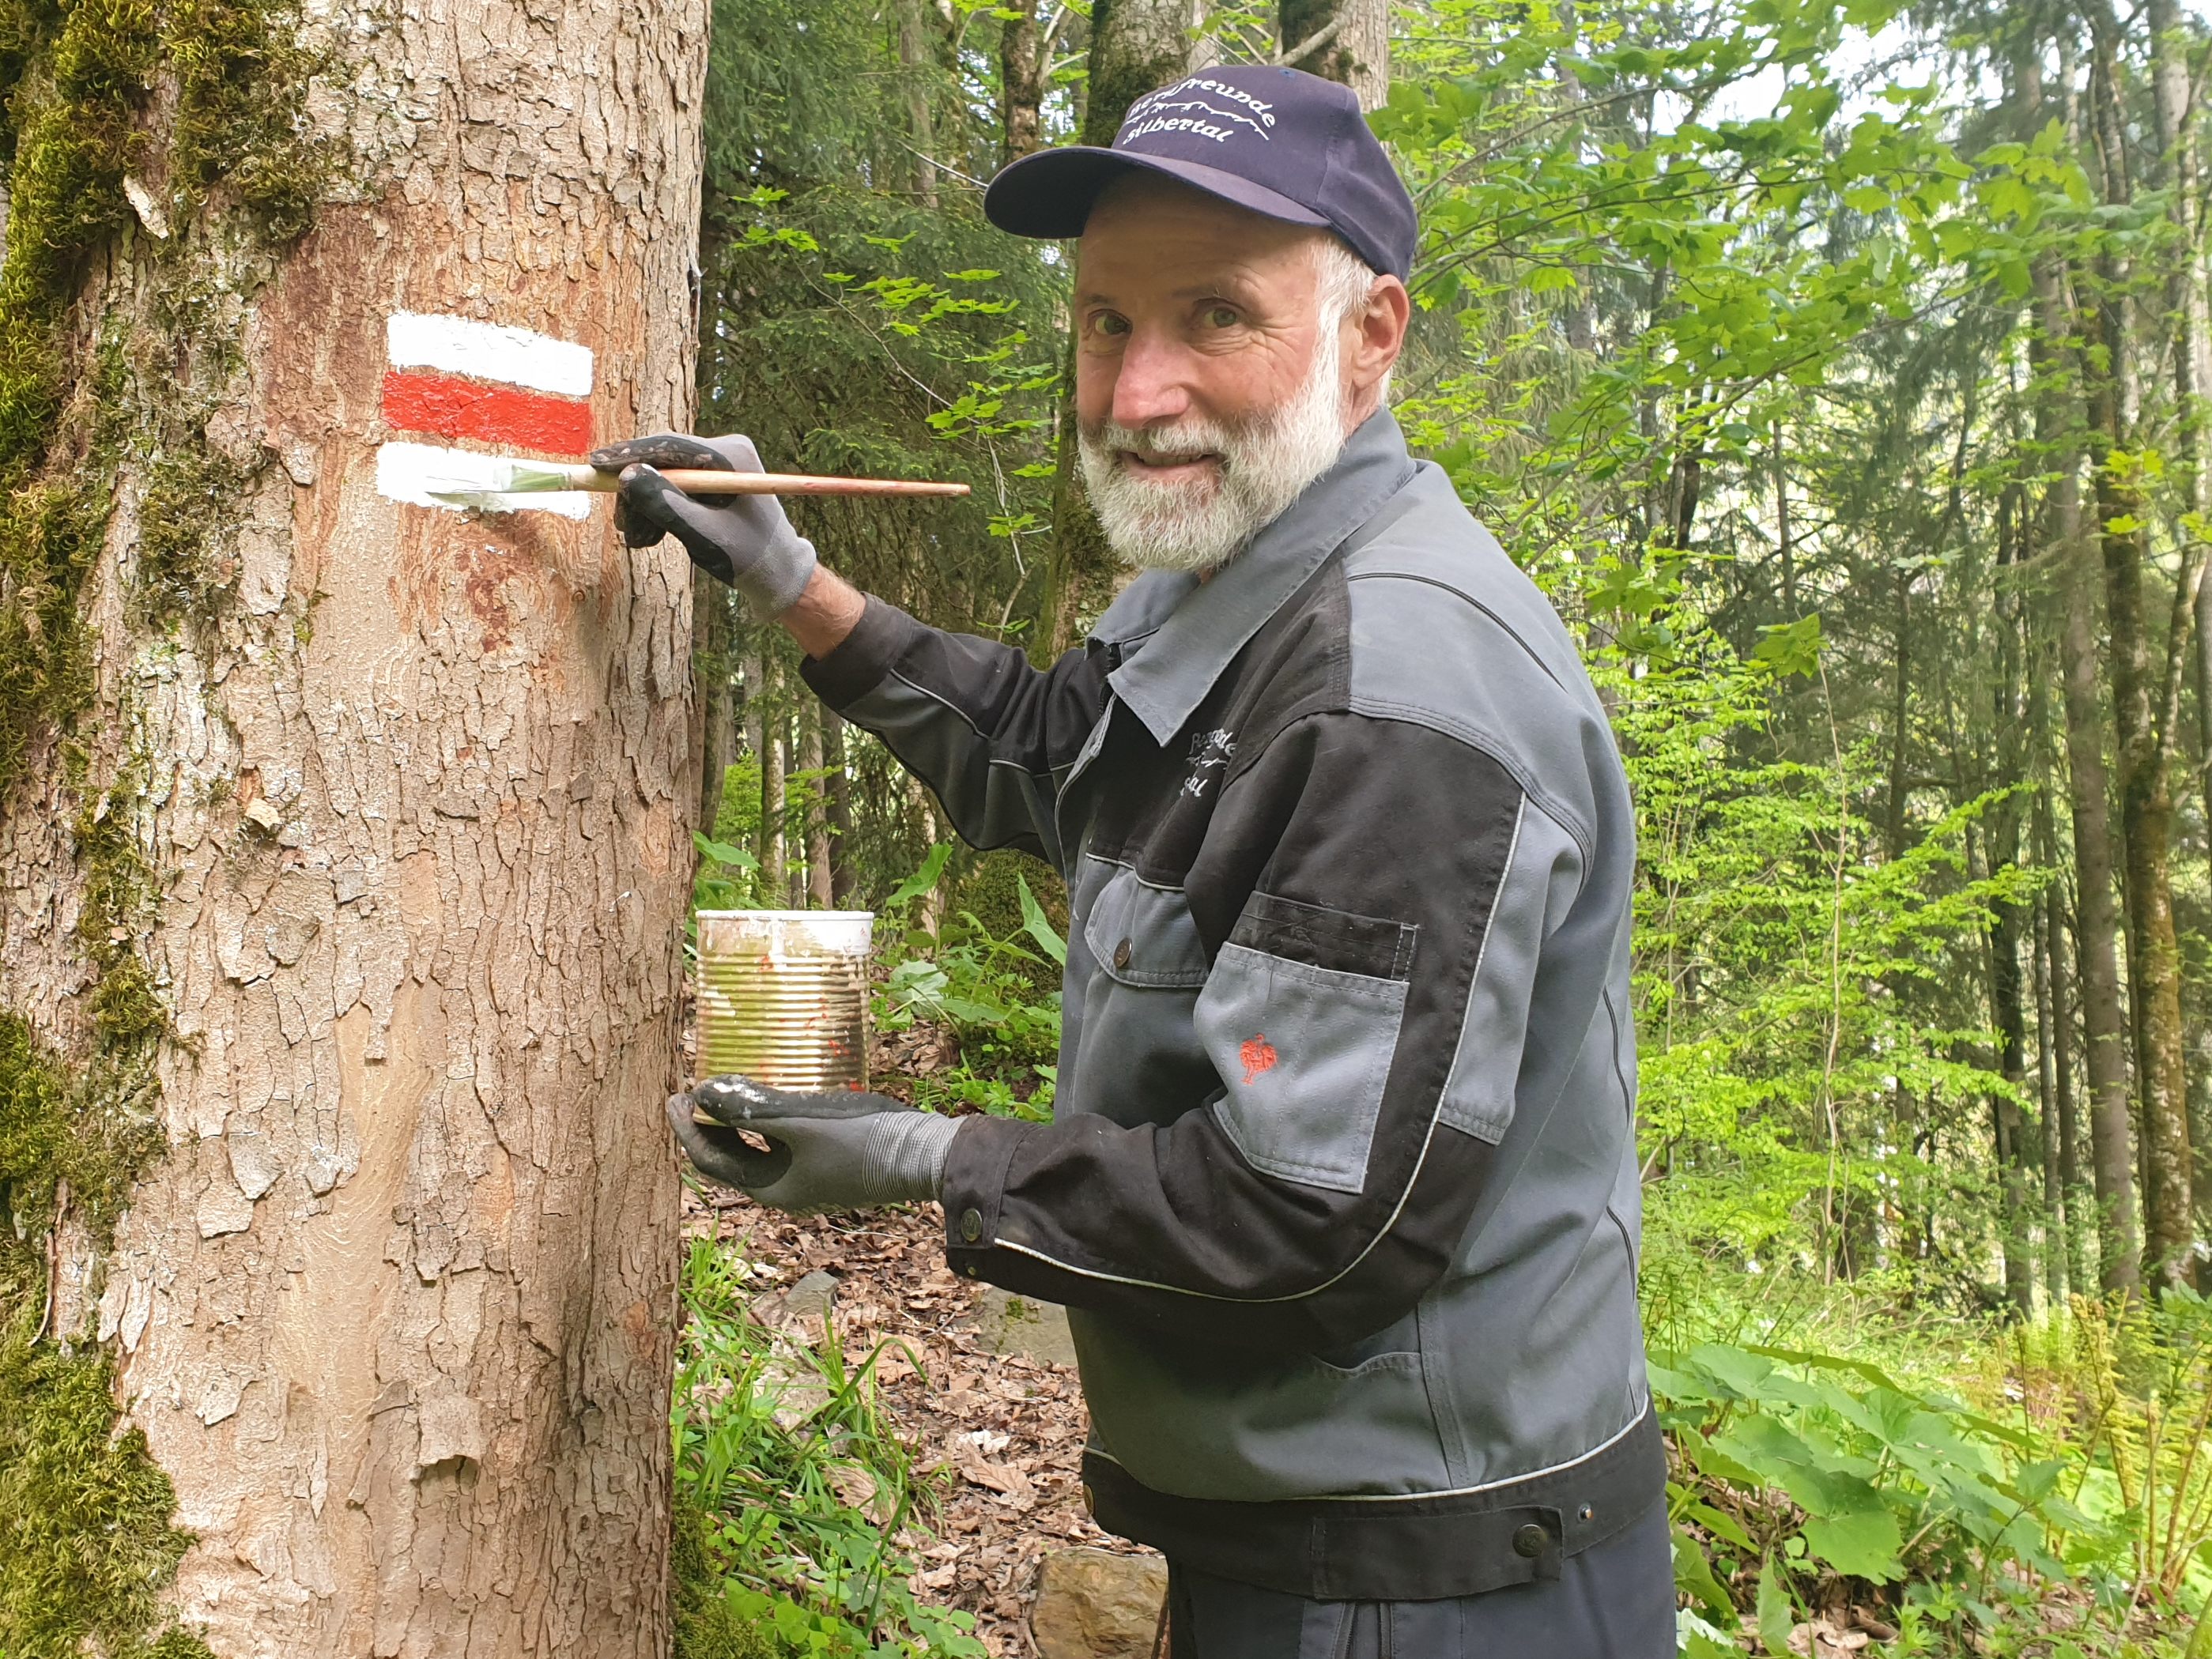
x=453 y=408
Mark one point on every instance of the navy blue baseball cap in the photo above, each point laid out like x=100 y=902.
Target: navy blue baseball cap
x=1280 y=141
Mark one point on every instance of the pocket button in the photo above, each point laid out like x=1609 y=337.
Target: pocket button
x=1121 y=955
x=1528 y=1541
x=971 y=1225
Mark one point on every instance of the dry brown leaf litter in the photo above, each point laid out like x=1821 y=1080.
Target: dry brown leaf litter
x=1009 y=1430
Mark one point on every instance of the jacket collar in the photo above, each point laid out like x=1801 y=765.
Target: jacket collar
x=1190 y=631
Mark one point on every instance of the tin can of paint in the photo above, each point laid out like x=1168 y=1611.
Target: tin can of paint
x=783 y=997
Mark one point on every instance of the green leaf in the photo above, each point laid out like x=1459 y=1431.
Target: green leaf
x=1722 y=1524
x=722 y=853
x=1038 y=926
x=1862 y=1544
x=922 y=880
x=1693 y=1577
x=1791 y=647
x=1776 y=1612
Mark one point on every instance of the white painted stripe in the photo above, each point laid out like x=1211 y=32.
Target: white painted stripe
x=489 y=351
x=410 y=472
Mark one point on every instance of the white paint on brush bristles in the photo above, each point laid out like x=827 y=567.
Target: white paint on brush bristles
x=427 y=475
x=489 y=351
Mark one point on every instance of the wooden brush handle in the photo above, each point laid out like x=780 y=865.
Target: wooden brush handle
x=705 y=481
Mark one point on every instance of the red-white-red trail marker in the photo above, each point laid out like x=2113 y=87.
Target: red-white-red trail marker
x=457 y=378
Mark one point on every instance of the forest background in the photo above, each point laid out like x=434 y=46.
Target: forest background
x=1841 y=373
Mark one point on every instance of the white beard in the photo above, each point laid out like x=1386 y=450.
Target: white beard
x=1199 y=524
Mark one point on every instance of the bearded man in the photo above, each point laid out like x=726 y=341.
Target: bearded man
x=1340 y=1189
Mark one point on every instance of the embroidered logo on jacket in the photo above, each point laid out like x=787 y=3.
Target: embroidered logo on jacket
x=1209 y=752
x=1258 y=1055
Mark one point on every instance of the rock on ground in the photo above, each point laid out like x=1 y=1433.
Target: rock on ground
x=1094 y=1605
x=1009 y=1324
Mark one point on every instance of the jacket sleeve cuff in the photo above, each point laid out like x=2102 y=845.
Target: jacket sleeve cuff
x=860 y=661
x=973 y=1186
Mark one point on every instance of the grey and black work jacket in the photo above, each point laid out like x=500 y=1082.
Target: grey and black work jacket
x=1342 y=1185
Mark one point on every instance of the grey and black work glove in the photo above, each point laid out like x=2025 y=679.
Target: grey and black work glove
x=743 y=540
x=830 y=1152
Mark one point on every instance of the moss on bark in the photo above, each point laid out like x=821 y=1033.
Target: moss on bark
x=184 y=118
x=87 y=1542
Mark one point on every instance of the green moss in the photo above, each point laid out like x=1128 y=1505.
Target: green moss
x=118 y=888
x=240 y=68
x=191 y=500
x=86 y=1543
x=706 y=1628
x=76 y=80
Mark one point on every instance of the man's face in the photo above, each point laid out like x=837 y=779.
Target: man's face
x=1210 y=386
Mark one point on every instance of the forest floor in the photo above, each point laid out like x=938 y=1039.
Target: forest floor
x=1002 y=1433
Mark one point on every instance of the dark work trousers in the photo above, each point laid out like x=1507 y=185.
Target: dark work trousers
x=1614 y=1601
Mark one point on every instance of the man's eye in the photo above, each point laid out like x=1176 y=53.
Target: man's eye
x=1222 y=317
x=1107 y=322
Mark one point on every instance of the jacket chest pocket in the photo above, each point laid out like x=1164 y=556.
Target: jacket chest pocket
x=1300 y=1019
x=1142 y=934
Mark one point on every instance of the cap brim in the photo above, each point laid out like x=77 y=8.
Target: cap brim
x=1051 y=193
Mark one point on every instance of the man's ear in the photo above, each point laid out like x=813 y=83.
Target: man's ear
x=1378 y=336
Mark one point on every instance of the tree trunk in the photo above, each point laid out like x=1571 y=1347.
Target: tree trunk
x=717 y=702
x=2003 y=819
x=2096 y=914
x=2189 y=316
x=818 y=818
x=1347 y=40
x=2143 y=697
x=1021 y=82
x=411 y=791
x=1136 y=46
x=915 y=59
x=2077 y=1201
x=2055 y=1263
x=837 y=798
x=768 y=846
x=1900 y=714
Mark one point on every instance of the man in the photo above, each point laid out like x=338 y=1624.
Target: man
x=1341 y=1189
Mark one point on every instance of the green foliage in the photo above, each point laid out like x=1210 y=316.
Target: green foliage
x=985 y=988
x=791 y=1489
x=1801 y=1480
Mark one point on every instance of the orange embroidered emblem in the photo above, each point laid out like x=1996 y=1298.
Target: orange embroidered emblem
x=1258 y=1055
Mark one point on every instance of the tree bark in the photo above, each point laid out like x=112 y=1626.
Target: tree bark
x=915 y=59
x=2189 y=317
x=2142 y=695
x=1136 y=46
x=2009 y=1122
x=395 y=1309
x=1347 y=40
x=1021 y=82
x=2076 y=1201
x=818 y=818
x=838 y=807
x=2056 y=1264
x=2096 y=912
x=768 y=846
x=717 y=701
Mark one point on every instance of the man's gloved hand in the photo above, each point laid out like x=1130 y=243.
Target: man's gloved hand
x=743 y=540
x=833 y=1151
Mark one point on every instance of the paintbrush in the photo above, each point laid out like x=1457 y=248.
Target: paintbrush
x=532 y=478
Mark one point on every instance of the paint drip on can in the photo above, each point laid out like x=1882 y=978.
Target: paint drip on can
x=783 y=997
